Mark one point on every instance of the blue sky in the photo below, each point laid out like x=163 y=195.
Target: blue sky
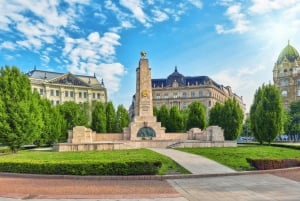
x=235 y=42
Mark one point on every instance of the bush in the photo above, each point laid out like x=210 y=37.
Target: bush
x=109 y=168
x=267 y=164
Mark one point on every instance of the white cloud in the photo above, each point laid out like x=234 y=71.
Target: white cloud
x=136 y=7
x=159 y=16
x=239 y=20
x=264 y=6
x=196 y=3
x=95 y=54
x=8 y=45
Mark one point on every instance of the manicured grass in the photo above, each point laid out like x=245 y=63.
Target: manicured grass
x=235 y=157
x=116 y=156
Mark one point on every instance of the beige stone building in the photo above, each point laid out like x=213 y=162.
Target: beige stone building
x=62 y=87
x=286 y=75
x=181 y=90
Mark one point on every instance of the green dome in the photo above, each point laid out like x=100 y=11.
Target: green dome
x=288 y=52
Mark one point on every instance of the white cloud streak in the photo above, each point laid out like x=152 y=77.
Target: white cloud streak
x=264 y=6
x=238 y=19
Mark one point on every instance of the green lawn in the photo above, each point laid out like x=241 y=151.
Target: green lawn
x=235 y=157
x=168 y=165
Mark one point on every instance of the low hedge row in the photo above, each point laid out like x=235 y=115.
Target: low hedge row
x=87 y=168
x=267 y=164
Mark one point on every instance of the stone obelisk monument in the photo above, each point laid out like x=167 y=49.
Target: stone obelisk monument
x=144 y=124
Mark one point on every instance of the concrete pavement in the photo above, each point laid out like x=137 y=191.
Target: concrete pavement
x=194 y=163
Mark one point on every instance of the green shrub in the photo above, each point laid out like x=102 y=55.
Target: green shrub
x=86 y=168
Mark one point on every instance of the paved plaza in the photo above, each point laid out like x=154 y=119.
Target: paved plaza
x=227 y=186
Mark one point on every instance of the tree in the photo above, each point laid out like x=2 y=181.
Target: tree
x=215 y=114
x=293 y=122
x=74 y=114
x=232 y=119
x=110 y=118
x=175 y=122
x=196 y=116
x=99 y=118
x=122 y=119
x=19 y=123
x=228 y=116
x=266 y=114
x=155 y=111
x=163 y=116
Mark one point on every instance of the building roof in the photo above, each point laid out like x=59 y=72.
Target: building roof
x=183 y=81
x=289 y=52
x=60 y=78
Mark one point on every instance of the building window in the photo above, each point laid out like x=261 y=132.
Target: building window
x=184 y=106
x=200 y=93
x=298 y=82
x=57 y=93
x=98 y=95
x=157 y=96
x=51 y=92
x=94 y=95
x=175 y=95
x=284 y=93
x=41 y=91
x=209 y=103
x=57 y=102
x=52 y=102
x=192 y=94
x=85 y=94
x=298 y=94
x=284 y=83
x=166 y=95
x=71 y=94
x=80 y=94
x=66 y=93
x=184 y=94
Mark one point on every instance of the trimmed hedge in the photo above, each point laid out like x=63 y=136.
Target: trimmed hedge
x=89 y=168
x=268 y=164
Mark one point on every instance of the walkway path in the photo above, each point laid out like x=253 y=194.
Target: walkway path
x=194 y=163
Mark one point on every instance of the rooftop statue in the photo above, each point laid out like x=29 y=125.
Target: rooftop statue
x=143 y=54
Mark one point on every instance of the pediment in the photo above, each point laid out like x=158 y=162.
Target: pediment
x=68 y=79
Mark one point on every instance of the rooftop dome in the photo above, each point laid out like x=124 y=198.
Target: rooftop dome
x=176 y=76
x=289 y=52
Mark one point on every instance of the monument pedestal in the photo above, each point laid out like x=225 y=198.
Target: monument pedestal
x=144 y=128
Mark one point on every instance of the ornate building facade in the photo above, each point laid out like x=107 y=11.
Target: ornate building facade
x=286 y=75
x=181 y=90
x=62 y=87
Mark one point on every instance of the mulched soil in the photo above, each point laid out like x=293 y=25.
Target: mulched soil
x=293 y=174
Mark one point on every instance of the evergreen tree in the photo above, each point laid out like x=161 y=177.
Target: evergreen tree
x=163 y=116
x=175 y=123
x=216 y=115
x=196 y=116
x=232 y=121
x=266 y=114
x=184 y=114
x=110 y=118
x=293 y=123
x=99 y=118
x=74 y=114
x=122 y=118
x=20 y=125
x=155 y=111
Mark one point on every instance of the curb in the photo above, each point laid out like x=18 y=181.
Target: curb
x=146 y=177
